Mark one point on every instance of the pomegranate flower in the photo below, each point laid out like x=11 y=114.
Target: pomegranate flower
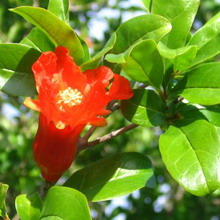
x=68 y=100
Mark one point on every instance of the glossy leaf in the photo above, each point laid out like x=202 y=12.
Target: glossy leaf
x=201 y=85
x=16 y=76
x=58 y=31
x=144 y=63
x=207 y=40
x=94 y=61
x=112 y=177
x=145 y=108
x=3 y=191
x=65 y=203
x=38 y=40
x=181 y=58
x=181 y=14
x=140 y=28
x=60 y=8
x=28 y=208
x=190 y=150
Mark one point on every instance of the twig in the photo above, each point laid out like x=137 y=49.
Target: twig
x=45 y=187
x=82 y=146
x=89 y=133
x=84 y=140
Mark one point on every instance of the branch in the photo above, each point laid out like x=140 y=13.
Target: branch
x=82 y=146
x=45 y=187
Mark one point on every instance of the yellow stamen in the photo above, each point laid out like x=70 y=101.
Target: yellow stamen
x=60 y=125
x=69 y=97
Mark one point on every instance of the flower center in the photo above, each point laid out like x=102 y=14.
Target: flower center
x=69 y=97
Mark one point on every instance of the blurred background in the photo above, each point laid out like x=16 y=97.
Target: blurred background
x=95 y=21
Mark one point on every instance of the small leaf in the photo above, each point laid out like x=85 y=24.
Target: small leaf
x=16 y=76
x=207 y=40
x=181 y=14
x=190 y=150
x=112 y=177
x=201 y=85
x=65 y=203
x=140 y=28
x=181 y=58
x=28 y=208
x=144 y=63
x=3 y=191
x=58 y=31
x=145 y=108
x=60 y=8
x=94 y=61
x=38 y=40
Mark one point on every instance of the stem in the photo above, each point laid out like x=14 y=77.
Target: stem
x=89 y=133
x=45 y=187
x=82 y=146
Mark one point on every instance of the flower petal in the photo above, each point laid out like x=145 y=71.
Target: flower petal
x=70 y=72
x=120 y=88
x=101 y=74
x=99 y=122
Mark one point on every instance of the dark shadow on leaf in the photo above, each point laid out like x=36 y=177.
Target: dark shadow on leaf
x=22 y=83
x=119 y=168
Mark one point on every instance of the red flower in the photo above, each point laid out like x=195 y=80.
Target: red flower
x=68 y=101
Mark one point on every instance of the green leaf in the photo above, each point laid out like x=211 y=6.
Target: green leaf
x=94 y=61
x=28 y=208
x=210 y=113
x=207 y=40
x=140 y=28
x=145 y=108
x=85 y=49
x=181 y=58
x=191 y=153
x=112 y=177
x=52 y=218
x=58 y=31
x=60 y=8
x=147 y=4
x=116 y=58
x=181 y=14
x=38 y=40
x=16 y=76
x=144 y=63
x=3 y=191
x=201 y=85
x=65 y=203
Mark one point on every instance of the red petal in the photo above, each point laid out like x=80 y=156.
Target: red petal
x=99 y=122
x=44 y=67
x=120 y=88
x=70 y=72
x=102 y=74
